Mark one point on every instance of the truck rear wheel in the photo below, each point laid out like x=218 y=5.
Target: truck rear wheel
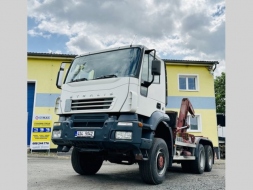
x=198 y=165
x=85 y=163
x=153 y=171
x=209 y=158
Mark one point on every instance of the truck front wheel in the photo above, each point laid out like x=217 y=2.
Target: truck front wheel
x=85 y=163
x=154 y=169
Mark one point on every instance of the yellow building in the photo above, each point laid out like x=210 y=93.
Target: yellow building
x=186 y=79
x=194 y=80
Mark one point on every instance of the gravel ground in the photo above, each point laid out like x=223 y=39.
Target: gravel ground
x=54 y=171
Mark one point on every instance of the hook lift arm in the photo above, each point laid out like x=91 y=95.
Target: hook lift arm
x=182 y=124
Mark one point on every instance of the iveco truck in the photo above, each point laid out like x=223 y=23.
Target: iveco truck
x=112 y=107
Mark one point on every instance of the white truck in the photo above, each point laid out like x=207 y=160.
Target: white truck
x=112 y=108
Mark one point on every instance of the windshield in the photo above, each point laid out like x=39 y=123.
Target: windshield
x=118 y=63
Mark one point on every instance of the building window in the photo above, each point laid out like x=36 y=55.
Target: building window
x=194 y=123
x=188 y=82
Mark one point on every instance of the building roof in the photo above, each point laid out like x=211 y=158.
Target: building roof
x=51 y=54
x=170 y=61
x=190 y=61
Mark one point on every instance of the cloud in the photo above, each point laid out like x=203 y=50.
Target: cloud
x=82 y=43
x=35 y=33
x=180 y=29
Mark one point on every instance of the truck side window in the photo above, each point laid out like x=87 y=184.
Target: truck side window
x=146 y=73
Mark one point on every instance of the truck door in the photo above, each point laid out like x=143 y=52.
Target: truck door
x=151 y=98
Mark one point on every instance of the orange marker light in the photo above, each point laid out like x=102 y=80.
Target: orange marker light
x=140 y=124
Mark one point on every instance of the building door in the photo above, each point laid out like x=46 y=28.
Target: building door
x=30 y=102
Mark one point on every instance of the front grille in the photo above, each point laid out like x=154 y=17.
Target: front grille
x=89 y=120
x=91 y=104
x=90 y=117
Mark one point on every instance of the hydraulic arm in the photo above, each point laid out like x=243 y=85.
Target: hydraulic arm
x=182 y=124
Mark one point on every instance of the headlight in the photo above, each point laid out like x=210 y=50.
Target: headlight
x=57 y=123
x=57 y=105
x=57 y=134
x=123 y=135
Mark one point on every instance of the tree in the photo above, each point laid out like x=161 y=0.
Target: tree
x=220 y=95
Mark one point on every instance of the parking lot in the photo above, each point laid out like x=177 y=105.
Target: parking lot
x=56 y=172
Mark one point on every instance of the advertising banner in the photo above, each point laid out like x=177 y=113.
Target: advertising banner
x=41 y=132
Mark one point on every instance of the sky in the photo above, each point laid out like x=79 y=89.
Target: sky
x=177 y=29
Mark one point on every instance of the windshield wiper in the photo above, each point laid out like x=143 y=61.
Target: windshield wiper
x=107 y=76
x=77 y=80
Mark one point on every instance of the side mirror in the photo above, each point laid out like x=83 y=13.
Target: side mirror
x=156 y=67
x=60 y=75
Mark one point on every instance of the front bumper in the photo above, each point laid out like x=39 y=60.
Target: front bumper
x=104 y=128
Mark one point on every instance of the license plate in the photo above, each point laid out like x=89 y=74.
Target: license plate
x=89 y=134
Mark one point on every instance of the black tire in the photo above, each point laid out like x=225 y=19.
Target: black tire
x=198 y=165
x=186 y=166
x=85 y=163
x=154 y=169
x=209 y=158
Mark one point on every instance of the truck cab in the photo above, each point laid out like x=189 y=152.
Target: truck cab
x=116 y=80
